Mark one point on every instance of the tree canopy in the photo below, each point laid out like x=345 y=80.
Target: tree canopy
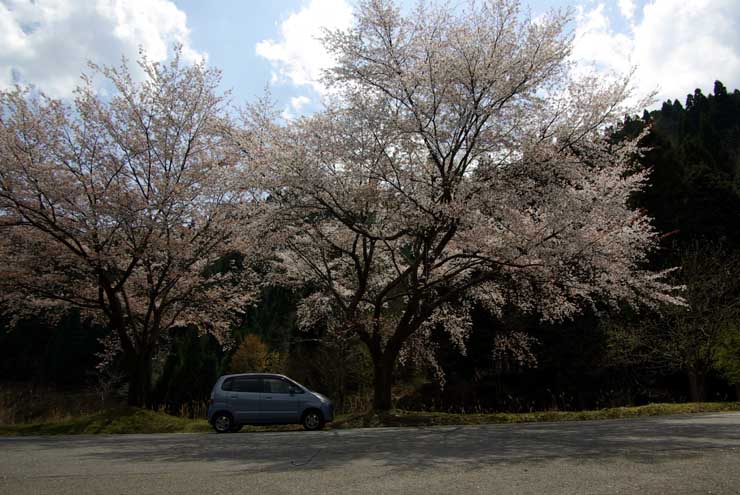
x=460 y=202
x=125 y=207
x=461 y=160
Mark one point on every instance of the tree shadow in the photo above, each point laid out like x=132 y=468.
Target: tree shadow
x=645 y=441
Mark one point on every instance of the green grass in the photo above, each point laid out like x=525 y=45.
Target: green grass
x=415 y=418
x=134 y=420
x=119 y=420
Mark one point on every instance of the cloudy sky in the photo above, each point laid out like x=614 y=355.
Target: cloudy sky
x=676 y=45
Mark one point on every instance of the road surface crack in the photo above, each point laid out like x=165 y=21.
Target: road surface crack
x=306 y=462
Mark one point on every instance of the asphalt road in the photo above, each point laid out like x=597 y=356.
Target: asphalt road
x=677 y=454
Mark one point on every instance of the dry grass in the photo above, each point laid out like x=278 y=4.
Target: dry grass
x=21 y=403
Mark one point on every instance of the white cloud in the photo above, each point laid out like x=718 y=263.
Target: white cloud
x=596 y=41
x=677 y=45
x=48 y=42
x=298 y=56
x=627 y=8
x=297 y=103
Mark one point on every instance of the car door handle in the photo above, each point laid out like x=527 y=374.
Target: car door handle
x=267 y=398
x=234 y=396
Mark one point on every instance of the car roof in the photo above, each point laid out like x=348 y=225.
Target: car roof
x=257 y=375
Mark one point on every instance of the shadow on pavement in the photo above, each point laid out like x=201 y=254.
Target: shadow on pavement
x=648 y=440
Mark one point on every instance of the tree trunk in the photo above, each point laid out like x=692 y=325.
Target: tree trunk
x=384 y=362
x=737 y=392
x=139 y=368
x=382 y=383
x=697 y=380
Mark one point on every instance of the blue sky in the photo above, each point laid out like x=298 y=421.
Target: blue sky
x=230 y=33
x=676 y=45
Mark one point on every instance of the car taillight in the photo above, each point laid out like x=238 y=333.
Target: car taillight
x=210 y=402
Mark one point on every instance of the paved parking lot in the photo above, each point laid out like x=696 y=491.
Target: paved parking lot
x=676 y=454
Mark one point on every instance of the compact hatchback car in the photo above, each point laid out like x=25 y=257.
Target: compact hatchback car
x=265 y=399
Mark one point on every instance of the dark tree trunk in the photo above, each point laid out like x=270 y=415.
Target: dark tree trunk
x=382 y=383
x=384 y=362
x=737 y=392
x=137 y=364
x=697 y=379
x=139 y=369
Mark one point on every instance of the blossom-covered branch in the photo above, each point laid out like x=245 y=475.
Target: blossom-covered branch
x=461 y=159
x=133 y=207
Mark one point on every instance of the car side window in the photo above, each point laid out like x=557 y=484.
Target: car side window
x=276 y=386
x=251 y=385
x=228 y=384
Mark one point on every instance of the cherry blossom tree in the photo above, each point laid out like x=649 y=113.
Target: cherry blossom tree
x=460 y=160
x=126 y=206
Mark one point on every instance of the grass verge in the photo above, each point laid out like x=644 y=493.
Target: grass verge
x=415 y=418
x=119 y=420
x=133 y=420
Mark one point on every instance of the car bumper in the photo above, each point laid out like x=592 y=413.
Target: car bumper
x=328 y=411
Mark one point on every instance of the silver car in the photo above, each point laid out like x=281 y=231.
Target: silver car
x=265 y=399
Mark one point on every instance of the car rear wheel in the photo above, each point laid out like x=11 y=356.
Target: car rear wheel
x=313 y=420
x=222 y=423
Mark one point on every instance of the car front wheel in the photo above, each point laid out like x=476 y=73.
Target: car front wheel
x=222 y=423
x=313 y=420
